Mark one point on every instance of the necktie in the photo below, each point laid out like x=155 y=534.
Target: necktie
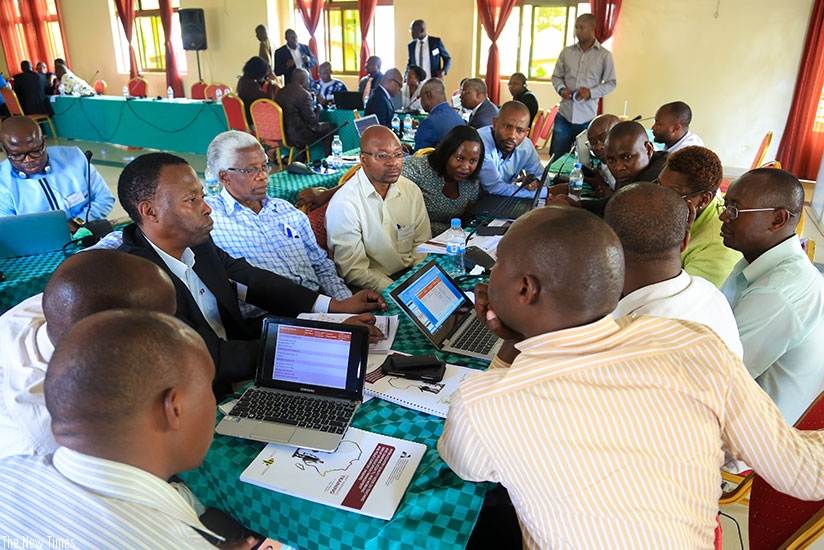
x=367 y=89
x=420 y=53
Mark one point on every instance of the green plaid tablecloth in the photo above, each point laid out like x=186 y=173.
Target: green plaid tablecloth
x=26 y=276
x=348 y=134
x=439 y=510
x=286 y=186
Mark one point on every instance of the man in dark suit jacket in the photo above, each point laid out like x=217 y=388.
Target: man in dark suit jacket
x=427 y=52
x=292 y=56
x=300 y=119
x=30 y=88
x=380 y=100
x=474 y=98
x=442 y=117
x=373 y=77
x=162 y=194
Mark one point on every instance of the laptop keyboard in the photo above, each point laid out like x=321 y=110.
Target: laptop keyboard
x=296 y=410
x=476 y=338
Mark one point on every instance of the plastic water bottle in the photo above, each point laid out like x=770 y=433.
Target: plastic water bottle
x=337 y=151
x=212 y=183
x=125 y=91
x=170 y=93
x=396 y=125
x=576 y=182
x=218 y=95
x=407 y=125
x=455 y=247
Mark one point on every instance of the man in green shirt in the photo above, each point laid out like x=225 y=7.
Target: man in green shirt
x=695 y=173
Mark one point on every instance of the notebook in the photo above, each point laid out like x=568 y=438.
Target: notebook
x=308 y=385
x=515 y=207
x=28 y=234
x=441 y=310
x=348 y=101
x=364 y=122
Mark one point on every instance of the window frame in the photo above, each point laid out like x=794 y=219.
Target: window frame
x=138 y=39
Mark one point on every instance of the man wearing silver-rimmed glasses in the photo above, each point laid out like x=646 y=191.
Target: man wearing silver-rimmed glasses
x=35 y=178
x=776 y=293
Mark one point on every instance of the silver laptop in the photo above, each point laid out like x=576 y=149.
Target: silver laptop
x=28 y=234
x=308 y=385
x=442 y=311
x=364 y=122
x=582 y=145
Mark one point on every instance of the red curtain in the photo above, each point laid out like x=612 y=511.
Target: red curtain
x=172 y=74
x=493 y=14
x=802 y=144
x=367 y=12
x=125 y=12
x=311 y=17
x=25 y=37
x=606 y=15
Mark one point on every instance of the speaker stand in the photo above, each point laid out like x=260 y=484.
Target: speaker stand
x=197 y=54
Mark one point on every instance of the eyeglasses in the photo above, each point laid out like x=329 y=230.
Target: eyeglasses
x=34 y=154
x=597 y=140
x=383 y=157
x=732 y=212
x=252 y=171
x=398 y=82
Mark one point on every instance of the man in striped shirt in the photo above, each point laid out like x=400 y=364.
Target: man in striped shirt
x=608 y=433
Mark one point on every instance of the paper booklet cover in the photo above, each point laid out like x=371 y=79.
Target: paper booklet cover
x=432 y=398
x=368 y=473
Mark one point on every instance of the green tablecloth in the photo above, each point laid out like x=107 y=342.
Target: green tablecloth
x=285 y=185
x=183 y=125
x=26 y=276
x=348 y=134
x=439 y=510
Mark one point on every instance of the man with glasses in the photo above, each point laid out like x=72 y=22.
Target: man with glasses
x=602 y=182
x=695 y=173
x=300 y=119
x=473 y=97
x=378 y=218
x=776 y=293
x=380 y=100
x=34 y=178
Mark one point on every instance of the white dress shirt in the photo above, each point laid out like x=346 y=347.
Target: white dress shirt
x=685 y=297
x=296 y=55
x=25 y=424
x=688 y=139
x=371 y=237
x=422 y=58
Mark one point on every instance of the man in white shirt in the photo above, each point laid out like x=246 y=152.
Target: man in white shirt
x=776 y=293
x=72 y=84
x=84 y=284
x=129 y=393
x=378 y=218
x=653 y=225
x=672 y=127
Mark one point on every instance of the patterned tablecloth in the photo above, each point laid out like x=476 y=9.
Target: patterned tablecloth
x=439 y=510
x=285 y=185
x=26 y=276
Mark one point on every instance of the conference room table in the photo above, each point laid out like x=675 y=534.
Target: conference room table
x=182 y=125
x=438 y=510
x=26 y=276
x=285 y=185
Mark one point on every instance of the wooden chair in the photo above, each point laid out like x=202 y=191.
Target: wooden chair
x=762 y=151
x=546 y=129
x=267 y=118
x=100 y=87
x=199 y=89
x=534 y=130
x=138 y=87
x=211 y=90
x=235 y=112
x=423 y=151
x=317 y=217
x=16 y=110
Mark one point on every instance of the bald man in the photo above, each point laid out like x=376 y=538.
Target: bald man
x=776 y=293
x=84 y=284
x=602 y=182
x=37 y=178
x=380 y=99
x=129 y=393
x=378 y=218
x=653 y=225
x=442 y=117
x=672 y=127
x=604 y=395
x=300 y=120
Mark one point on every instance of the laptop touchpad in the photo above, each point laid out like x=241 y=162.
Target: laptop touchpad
x=273 y=432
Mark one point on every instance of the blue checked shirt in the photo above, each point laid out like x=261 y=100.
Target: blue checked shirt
x=279 y=239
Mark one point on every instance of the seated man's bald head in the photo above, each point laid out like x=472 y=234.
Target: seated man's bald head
x=597 y=134
x=377 y=137
x=98 y=280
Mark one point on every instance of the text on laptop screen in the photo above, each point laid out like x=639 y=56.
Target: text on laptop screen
x=312 y=356
x=432 y=299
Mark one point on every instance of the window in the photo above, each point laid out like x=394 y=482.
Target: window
x=18 y=47
x=148 y=38
x=818 y=123
x=339 y=37
x=534 y=35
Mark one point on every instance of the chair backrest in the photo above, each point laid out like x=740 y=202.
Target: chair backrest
x=348 y=174
x=267 y=118
x=235 y=112
x=762 y=151
x=11 y=101
x=423 y=151
x=535 y=129
x=100 y=86
x=317 y=220
x=777 y=519
x=138 y=87
x=211 y=90
x=199 y=89
x=546 y=128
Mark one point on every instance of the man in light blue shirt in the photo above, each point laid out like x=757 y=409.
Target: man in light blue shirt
x=270 y=233
x=35 y=178
x=777 y=295
x=507 y=152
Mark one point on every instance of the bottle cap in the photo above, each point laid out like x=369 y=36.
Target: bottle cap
x=455 y=222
